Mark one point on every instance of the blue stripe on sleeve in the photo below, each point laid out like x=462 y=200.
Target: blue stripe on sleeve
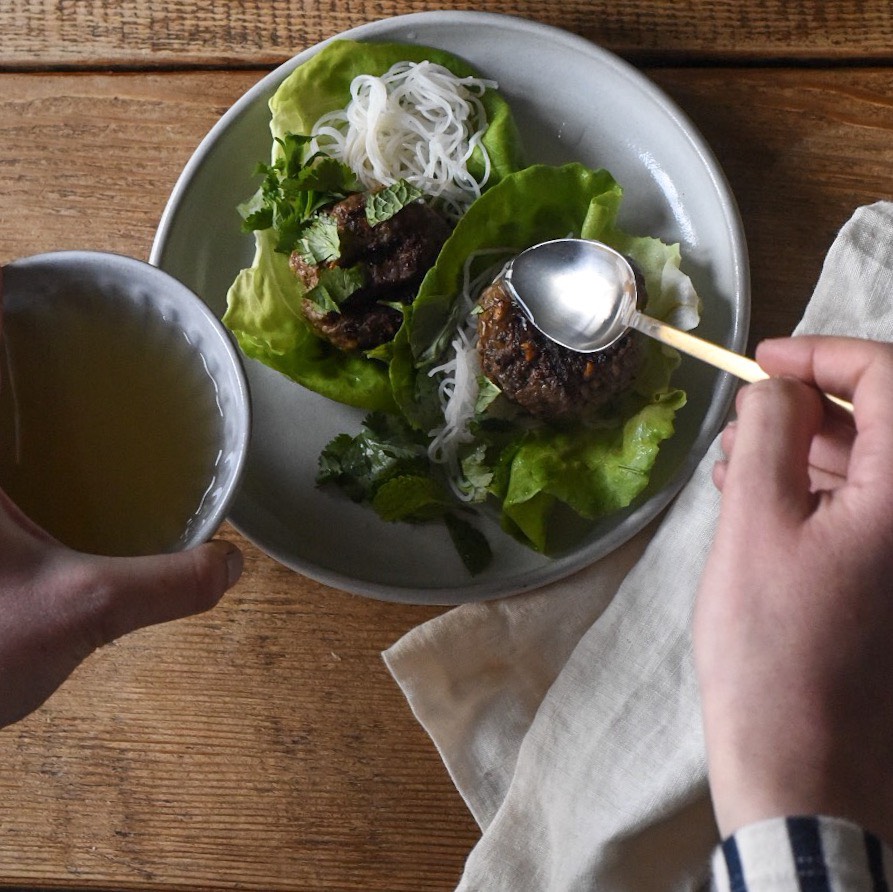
x=732 y=857
x=806 y=847
x=876 y=863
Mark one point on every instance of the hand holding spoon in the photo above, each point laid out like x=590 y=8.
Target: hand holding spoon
x=582 y=294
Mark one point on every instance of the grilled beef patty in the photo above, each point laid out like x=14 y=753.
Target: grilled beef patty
x=546 y=379
x=395 y=255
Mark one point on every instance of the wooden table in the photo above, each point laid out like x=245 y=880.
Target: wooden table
x=263 y=745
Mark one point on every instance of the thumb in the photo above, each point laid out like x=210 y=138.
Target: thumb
x=133 y=592
x=769 y=460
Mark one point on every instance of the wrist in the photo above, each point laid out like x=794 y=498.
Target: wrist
x=746 y=792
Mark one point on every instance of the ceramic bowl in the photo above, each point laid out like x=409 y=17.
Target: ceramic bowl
x=124 y=407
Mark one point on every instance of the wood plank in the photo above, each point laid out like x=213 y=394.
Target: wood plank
x=89 y=160
x=802 y=149
x=42 y=34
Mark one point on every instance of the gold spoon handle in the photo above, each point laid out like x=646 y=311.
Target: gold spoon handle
x=713 y=354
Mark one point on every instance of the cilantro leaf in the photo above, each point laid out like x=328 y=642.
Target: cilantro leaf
x=385 y=447
x=327 y=175
x=319 y=242
x=386 y=466
x=487 y=393
x=295 y=187
x=336 y=284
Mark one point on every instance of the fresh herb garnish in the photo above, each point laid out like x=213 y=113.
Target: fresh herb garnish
x=387 y=202
x=470 y=543
x=386 y=447
x=319 y=242
x=295 y=186
x=386 y=466
x=335 y=285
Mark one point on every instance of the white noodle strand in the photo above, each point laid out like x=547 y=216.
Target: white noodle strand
x=459 y=387
x=418 y=122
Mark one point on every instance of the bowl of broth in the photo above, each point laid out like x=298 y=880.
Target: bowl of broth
x=124 y=408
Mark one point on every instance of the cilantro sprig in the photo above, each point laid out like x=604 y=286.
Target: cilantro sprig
x=386 y=466
x=298 y=185
x=295 y=187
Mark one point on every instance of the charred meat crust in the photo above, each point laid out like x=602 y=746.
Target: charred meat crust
x=546 y=379
x=395 y=256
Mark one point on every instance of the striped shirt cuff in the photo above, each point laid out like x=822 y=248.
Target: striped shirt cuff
x=807 y=854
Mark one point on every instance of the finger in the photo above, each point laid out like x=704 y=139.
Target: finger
x=769 y=463
x=831 y=448
x=720 y=469
x=855 y=369
x=727 y=440
x=821 y=360
x=829 y=455
x=120 y=595
x=726 y=444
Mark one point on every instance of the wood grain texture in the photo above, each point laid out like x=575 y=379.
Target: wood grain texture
x=89 y=160
x=801 y=150
x=263 y=746
x=162 y=33
x=260 y=746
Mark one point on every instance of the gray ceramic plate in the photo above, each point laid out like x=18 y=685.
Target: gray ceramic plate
x=573 y=101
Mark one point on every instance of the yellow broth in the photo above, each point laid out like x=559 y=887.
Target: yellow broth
x=109 y=425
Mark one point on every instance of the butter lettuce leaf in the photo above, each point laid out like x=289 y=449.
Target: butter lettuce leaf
x=322 y=84
x=594 y=471
x=264 y=302
x=264 y=314
x=595 y=468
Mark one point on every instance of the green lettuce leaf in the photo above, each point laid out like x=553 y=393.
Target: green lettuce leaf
x=264 y=302
x=322 y=84
x=271 y=331
x=594 y=469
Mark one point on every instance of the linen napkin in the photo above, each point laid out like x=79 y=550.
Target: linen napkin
x=569 y=717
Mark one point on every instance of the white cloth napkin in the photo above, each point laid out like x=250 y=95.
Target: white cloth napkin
x=569 y=717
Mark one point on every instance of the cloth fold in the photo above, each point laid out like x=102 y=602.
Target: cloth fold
x=569 y=717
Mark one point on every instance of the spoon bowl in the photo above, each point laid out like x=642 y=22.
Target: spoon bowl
x=583 y=295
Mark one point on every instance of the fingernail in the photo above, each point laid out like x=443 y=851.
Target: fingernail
x=234 y=563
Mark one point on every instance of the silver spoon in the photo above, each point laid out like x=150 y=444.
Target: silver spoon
x=582 y=295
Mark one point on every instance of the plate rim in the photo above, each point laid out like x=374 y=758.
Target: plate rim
x=640 y=516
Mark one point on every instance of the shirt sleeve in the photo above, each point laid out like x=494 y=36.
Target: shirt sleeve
x=803 y=854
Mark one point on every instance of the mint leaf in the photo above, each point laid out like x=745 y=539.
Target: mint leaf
x=409 y=498
x=384 y=204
